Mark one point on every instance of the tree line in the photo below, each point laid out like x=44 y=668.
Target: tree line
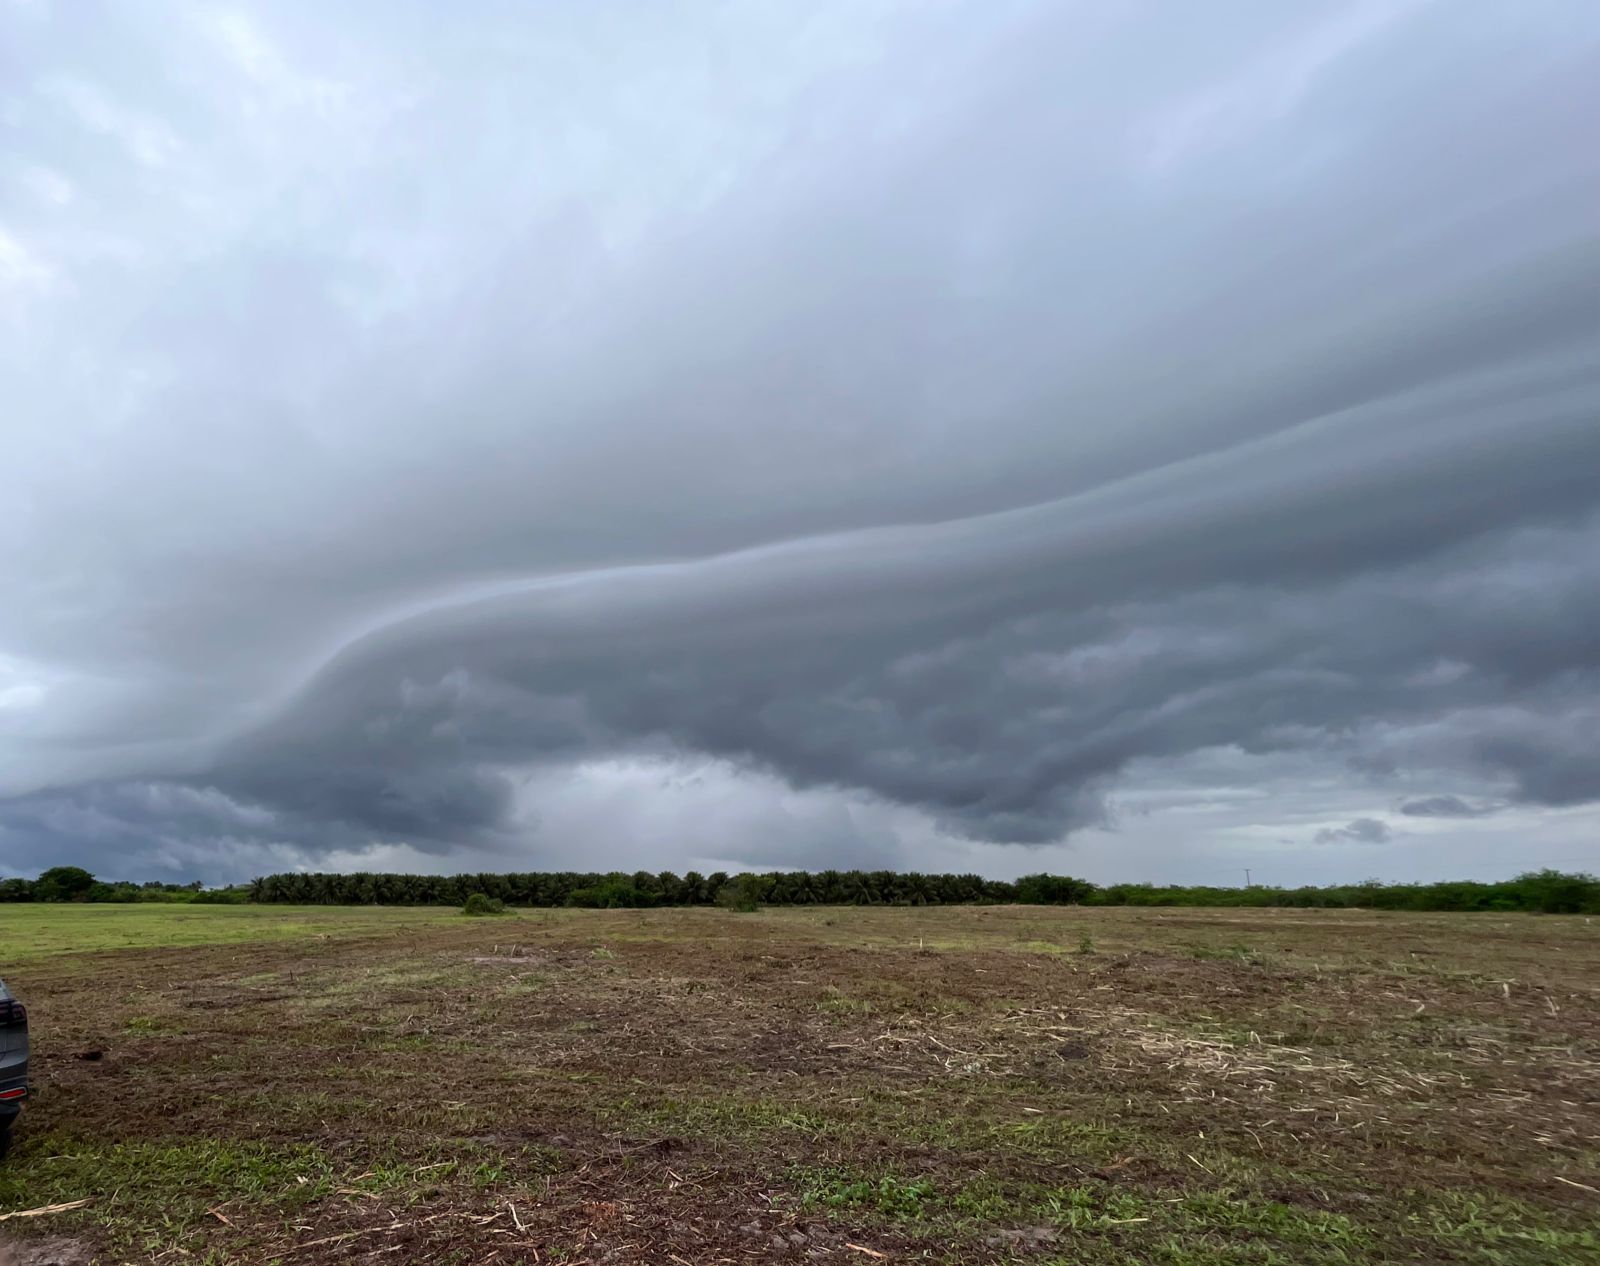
x=1544 y=891
x=74 y=883
x=642 y=889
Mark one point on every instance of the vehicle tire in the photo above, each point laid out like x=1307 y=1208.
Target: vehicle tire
x=5 y=1139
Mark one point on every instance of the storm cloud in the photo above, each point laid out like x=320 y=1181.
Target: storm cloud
x=808 y=435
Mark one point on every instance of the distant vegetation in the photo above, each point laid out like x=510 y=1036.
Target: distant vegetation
x=73 y=883
x=1544 y=891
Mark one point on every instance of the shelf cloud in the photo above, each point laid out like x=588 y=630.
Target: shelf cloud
x=816 y=436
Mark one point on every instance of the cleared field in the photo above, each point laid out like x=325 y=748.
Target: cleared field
x=962 y=1085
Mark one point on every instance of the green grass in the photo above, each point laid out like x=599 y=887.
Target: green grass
x=150 y=1025
x=1204 y=1228
x=889 y=1196
x=42 y=931
x=1230 y=953
x=1182 y=1230
x=151 y=1197
x=837 y=1002
x=148 y=1196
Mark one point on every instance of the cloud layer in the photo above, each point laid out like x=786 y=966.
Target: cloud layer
x=859 y=433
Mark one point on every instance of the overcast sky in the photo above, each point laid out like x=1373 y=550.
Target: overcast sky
x=1143 y=442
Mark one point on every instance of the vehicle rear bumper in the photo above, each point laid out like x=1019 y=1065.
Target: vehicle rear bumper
x=13 y=1092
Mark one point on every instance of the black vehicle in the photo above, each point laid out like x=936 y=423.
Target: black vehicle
x=13 y=1063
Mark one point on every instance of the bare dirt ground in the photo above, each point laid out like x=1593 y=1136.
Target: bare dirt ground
x=970 y=1085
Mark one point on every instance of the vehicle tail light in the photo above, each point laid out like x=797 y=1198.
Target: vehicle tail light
x=13 y=1015
x=19 y=1092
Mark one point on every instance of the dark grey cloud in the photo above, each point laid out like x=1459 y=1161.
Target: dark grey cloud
x=923 y=425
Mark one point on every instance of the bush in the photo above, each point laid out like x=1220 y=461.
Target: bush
x=478 y=904
x=221 y=896
x=1551 y=892
x=614 y=894
x=739 y=894
x=63 y=883
x=1052 y=890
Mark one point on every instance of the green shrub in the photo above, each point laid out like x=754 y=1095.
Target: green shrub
x=891 y=1196
x=478 y=904
x=1052 y=890
x=740 y=895
x=221 y=896
x=63 y=883
x=613 y=894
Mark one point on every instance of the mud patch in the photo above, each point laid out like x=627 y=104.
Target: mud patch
x=59 y=1251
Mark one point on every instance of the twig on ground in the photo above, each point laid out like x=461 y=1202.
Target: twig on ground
x=44 y=1209
x=349 y=1235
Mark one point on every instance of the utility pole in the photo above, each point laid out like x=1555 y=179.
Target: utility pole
x=1246 y=876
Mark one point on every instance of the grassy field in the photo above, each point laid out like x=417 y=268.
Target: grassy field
x=969 y=1085
x=39 y=931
